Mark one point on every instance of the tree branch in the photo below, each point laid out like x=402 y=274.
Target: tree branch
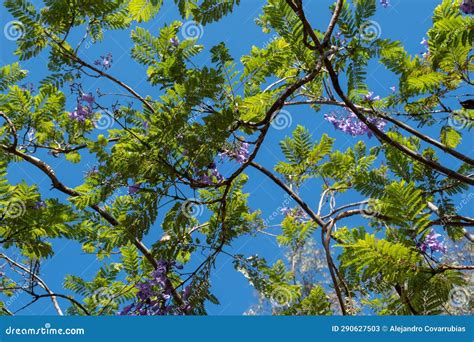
x=377 y=132
x=38 y=279
x=103 y=213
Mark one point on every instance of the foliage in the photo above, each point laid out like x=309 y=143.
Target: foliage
x=153 y=200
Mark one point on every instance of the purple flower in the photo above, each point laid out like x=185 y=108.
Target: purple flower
x=88 y=98
x=154 y=296
x=393 y=89
x=205 y=179
x=385 y=3
x=300 y=215
x=431 y=241
x=239 y=152
x=161 y=268
x=186 y=292
x=174 y=41
x=144 y=291
x=126 y=310
x=105 y=61
x=81 y=113
x=215 y=172
x=242 y=153
x=133 y=189
x=93 y=171
x=467 y=7
x=209 y=174
x=424 y=42
x=349 y=123
x=370 y=97
x=297 y=213
x=39 y=205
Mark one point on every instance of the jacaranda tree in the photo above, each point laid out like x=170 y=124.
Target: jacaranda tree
x=403 y=247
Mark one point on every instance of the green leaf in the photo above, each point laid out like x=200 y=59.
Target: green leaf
x=144 y=10
x=450 y=137
x=73 y=157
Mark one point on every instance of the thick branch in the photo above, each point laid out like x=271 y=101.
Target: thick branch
x=401 y=124
x=332 y=23
x=73 y=193
x=377 y=132
x=467 y=235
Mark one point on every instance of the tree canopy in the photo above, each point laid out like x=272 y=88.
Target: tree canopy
x=163 y=191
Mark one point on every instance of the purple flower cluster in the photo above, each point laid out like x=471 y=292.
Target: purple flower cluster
x=242 y=153
x=81 y=113
x=39 y=205
x=83 y=110
x=298 y=213
x=174 y=41
x=154 y=295
x=104 y=61
x=369 y=97
x=385 y=3
x=133 y=189
x=467 y=7
x=91 y=172
x=349 y=123
x=212 y=172
x=431 y=241
x=424 y=43
x=239 y=152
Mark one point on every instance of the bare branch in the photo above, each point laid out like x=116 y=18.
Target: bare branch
x=38 y=279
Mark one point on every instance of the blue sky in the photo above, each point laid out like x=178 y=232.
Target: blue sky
x=404 y=20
